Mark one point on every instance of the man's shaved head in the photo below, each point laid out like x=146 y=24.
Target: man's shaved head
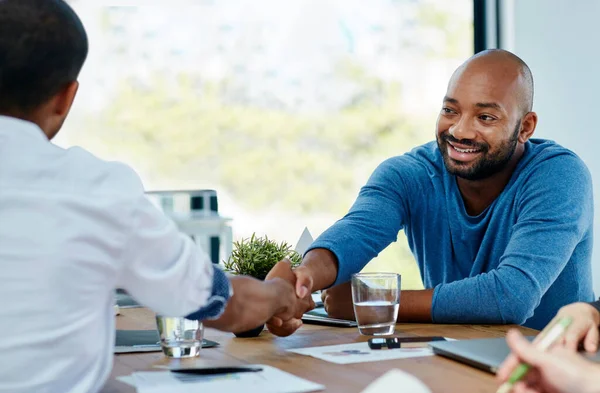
x=509 y=70
x=487 y=115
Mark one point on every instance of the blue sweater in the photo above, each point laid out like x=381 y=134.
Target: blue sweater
x=519 y=261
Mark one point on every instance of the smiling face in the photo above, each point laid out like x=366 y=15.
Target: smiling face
x=481 y=121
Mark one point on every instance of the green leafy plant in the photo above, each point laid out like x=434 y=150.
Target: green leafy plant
x=257 y=255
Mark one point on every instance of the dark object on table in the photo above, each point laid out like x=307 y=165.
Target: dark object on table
x=251 y=333
x=217 y=370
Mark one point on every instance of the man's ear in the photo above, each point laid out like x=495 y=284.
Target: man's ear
x=64 y=99
x=528 y=124
x=57 y=109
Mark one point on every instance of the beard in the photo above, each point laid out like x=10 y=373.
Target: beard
x=490 y=162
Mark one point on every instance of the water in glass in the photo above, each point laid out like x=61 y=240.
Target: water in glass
x=179 y=337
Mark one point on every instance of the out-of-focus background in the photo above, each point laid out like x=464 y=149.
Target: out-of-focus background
x=286 y=107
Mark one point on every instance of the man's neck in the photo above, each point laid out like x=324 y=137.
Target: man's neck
x=32 y=118
x=479 y=194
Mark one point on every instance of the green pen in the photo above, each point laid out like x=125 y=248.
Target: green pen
x=554 y=333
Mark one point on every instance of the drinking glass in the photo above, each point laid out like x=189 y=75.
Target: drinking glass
x=376 y=300
x=179 y=337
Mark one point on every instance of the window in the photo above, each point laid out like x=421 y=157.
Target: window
x=283 y=107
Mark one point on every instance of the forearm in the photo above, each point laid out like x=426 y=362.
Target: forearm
x=252 y=303
x=234 y=314
x=230 y=319
x=415 y=306
x=494 y=297
x=322 y=266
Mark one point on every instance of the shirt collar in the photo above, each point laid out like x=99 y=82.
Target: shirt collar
x=24 y=127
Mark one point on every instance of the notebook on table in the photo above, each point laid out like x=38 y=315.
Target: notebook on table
x=319 y=316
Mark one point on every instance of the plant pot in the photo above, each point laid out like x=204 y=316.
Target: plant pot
x=251 y=333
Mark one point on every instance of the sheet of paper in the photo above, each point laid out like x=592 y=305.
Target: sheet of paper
x=394 y=380
x=360 y=353
x=269 y=380
x=316 y=297
x=304 y=242
x=127 y=380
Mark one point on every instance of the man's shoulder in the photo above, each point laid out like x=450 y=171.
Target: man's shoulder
x=424 y=159
x=553 y=160
x=556 y=173
x=91 y=175
x=412 y=173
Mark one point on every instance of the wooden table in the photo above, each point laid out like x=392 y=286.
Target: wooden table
x=440 y=374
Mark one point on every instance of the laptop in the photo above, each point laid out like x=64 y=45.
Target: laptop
x=485 y=354
x=319 y=316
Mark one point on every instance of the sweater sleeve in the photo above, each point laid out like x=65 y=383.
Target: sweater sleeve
x=374 y=220
x=555 y=213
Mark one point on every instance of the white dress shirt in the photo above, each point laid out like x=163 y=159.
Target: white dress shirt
x=72 y=229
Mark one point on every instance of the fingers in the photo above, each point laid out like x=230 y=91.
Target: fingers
x=575 y=334
x=338 y=302
x=286 y=329
x=303 y=306
x=521 y=387
x=275 y=321
x=304 y=282
x=591 y=340
x=507 y=367
x=282 y=269
x=287 y=318
x=523 y=349
x=585 y=321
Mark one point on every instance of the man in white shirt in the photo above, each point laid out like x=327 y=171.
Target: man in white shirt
x=73 y=227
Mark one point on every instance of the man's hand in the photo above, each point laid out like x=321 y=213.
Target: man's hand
x=338 y=301
x=279 y=324
x=559 y=370
x=254 y=302
x=318 y=270
x=584 y=328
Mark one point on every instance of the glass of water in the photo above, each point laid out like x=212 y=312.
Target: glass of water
x=179 y=337
x=376 y=299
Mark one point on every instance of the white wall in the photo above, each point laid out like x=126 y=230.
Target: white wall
x=559 y=39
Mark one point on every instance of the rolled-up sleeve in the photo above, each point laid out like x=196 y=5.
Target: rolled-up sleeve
x=163 y=269
x=215 y=305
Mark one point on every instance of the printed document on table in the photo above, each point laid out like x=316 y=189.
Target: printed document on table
x=393 y=379
x=269 y=380
x=360 y=353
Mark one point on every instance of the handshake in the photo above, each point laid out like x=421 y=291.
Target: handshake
x=284 y=296
x=294 y=293
x=280 y=301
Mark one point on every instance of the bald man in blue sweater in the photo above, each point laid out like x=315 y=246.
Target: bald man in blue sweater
x=500 y=224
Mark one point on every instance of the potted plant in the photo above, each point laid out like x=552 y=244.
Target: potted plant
x=255 y=257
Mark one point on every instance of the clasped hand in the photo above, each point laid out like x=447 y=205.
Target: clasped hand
x=282 y=325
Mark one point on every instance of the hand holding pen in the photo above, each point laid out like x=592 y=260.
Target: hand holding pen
x=548 y=337
x=555 y=370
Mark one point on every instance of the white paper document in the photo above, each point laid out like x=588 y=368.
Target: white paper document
x=269 y=380
x=396 y=381
x=360 y=353
x=305 y=241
